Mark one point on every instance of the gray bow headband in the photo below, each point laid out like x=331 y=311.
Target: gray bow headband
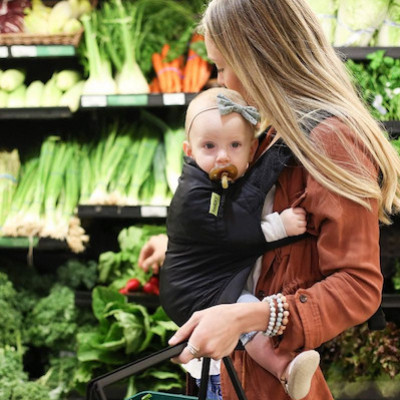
x=227 y=106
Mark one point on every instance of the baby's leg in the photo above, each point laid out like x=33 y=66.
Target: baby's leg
x=295 y=372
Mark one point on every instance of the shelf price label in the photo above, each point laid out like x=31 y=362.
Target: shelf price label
x=23 y=51
x=174 y=99
x=128 y=100
x=153 y=211
x=3 y=51
x=55 y=51
x=94 y=101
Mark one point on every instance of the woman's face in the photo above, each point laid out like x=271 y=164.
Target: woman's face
x=226 y=76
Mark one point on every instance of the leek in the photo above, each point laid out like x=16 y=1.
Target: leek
x=16 y=98
x=9 y=173
x=34 y=93
x=71 y=98
x=100 y=79
x=112 y=153
x=173 y=139
x=389 y=33
x=358 y=20
x=144 y=162
x=22 y=198
x=11 y=79
x=159 y=195
x=122 y=179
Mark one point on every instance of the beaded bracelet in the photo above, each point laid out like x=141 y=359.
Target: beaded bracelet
x=278 y=316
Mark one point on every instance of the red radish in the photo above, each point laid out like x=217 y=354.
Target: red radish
x=132 y=285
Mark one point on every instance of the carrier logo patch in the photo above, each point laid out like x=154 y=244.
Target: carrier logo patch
x=214 y=203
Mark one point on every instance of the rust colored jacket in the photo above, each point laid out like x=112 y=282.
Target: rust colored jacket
x=332 y=279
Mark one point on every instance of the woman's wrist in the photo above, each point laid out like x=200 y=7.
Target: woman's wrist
x=252 y=316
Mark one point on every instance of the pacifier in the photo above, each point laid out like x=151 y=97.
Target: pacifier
x=225 y=174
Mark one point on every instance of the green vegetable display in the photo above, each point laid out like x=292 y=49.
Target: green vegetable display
x=124 y=329
x=63 y=89
x=10 y=315
x=360 y=356
x=379 y=84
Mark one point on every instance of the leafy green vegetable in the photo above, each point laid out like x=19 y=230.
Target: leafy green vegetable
x=10 y=315
x=358 y=21
x=379 y=84
x=76 y=274
x=52 y=322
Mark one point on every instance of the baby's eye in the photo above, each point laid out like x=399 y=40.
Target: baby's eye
x=235 y=145
x=209 y=146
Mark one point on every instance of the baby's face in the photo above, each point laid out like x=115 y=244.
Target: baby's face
x=216 y=141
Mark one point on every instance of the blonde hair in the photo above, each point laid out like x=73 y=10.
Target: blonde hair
x=296 y=76
x=207 y=100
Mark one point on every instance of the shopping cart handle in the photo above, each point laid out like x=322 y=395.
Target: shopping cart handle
x=95 y=388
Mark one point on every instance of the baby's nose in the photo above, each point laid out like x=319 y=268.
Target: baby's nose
x=222 y=155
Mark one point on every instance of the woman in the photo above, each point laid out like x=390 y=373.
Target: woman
x=346 y=177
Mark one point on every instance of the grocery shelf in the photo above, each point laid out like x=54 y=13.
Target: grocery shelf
x=37 y=51
x=151 y=301
x=110 y=212
x=393 y=128
x=23 y=243
x=360 y=53
x=35 y=113
x=391 y=300
x=136 y=100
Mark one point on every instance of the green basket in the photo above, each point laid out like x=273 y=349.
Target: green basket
x=95 y=388
x=161 y=396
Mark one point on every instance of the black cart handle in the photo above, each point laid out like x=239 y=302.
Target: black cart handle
x=95 y=388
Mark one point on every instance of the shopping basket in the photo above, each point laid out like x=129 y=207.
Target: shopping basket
x=95 y=388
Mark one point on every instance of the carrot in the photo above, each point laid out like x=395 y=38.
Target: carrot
x=204 y=76
x=195 y=73
x=158 y=67
x=187 y=72
x=155 y=86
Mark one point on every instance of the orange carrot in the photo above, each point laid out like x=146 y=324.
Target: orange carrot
x=155 y=86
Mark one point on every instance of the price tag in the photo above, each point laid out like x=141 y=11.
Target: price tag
x=128 y=100
x=171 y=99
x=153 y=211
x=94 y=101
x=23 y=51
x=55 y=51
x=3 y=51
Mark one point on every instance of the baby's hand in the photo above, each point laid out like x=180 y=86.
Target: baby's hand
x=294 y=220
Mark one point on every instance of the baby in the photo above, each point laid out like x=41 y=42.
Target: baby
x=220 y=222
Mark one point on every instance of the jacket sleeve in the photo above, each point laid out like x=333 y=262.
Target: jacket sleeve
x=347 y=245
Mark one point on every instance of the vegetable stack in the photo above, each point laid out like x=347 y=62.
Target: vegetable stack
x=175 y=77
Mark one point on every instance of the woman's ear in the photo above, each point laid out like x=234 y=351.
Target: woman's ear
x=187 y=149
x=253 y=149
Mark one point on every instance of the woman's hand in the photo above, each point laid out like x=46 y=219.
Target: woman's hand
x=214 y=332
x=152 y=254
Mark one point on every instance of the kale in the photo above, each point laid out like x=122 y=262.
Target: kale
x=76 y=274
x=10 y=316
x=52 y=322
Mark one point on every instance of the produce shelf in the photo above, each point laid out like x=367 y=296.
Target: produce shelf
x=393 y=128
x=35 y=113
x=135 y=212
x=23 y=243
x=391 y=300
x=136 y=100
x=151 y=301
x=37 y=51
x=360 y=53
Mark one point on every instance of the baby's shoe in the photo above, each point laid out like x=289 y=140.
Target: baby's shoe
x=299 y=374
